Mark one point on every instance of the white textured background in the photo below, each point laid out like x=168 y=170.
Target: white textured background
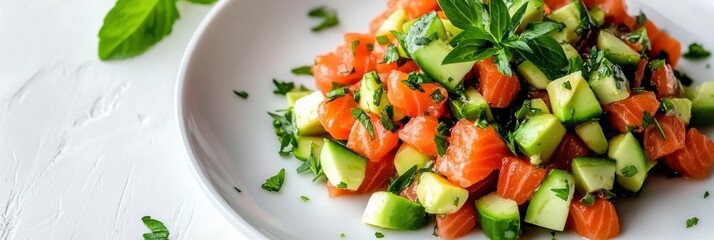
x=87 y=148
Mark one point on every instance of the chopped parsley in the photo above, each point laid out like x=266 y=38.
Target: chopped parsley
x=158 y=229
x=312 y=165
x=403 y=181
x=385 y=117
x=562 y=193
x=238 y=190
x=241 y=94
x=370 y=47
x=641 y=19
x=355 y=44
x=442 y=130
x=304 y=199
x=283 y=88
x=391 y=55
x=341 y=185
x=696 y=52
x=706 y=194
x=414 y=81
x=437 y=96
x=567 y=85
x=656 y=64
x=274 y=183
x=329 y=18
x=285 y=130
x=648 y=120
x=692 y=222
x=363 y=118
x=588 y=199
x=302 y=70
x=456 y=201
x=377 y=100
x=629 y=171
x=337 y=93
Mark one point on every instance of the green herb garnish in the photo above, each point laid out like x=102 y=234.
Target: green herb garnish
x=567 y=85
x=274 y=183
x=285 y=130
x=656 y=64
x=341 y=185
x=696 y=52
x=683 y=78
x=386 y=118
x=403 y=181
x=648 y=120
x=241 y=94
x=304 y=199
x=629 y=171
x=588 y=199
x=641 y=19
x=442 y=130
x=312 y=165
x=329 y=18
x=342 y=235
x=157 y=228
x=302 y=70
x=355 y=44
x=377 y=100
x=378 y=235
x=692 y=222
x=283 y=88
x=415 y=80
x=456 y=201
x=437 y=96
x=337 y=93
x=363 y=118
x=495 y=34
x=706 y=194
x=562 y=193
x=391 y=54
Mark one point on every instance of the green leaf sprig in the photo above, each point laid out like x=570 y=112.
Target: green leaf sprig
x=491 y=31
x=158 y=230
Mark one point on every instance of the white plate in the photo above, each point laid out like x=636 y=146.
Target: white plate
x=243 y=44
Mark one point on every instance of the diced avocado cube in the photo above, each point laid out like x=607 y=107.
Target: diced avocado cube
x=438 y=195
x=387 y=210
x=702 y=104
x=570 y=16
x=429 y=59
x=293 y=96
x=533 y=75
x=343 y=167
x=373 y=97
x=592 y=135
x=471 y=107
x=306 y=117
x=572 y=100
x=540 y=104
x=499 y=217
x=609 y=86
x=408 y=157
x=539 y=136
x=575 y=61
x=617 y=50
x=450 y=28
x=534 y=11
x=678 y=107
x=630 y=159
x=592 y=174
x=550 y=205
x=597 y=15
x=393 y=23
x=536 y=78
x=305 y=143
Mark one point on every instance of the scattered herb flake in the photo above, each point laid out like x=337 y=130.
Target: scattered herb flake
x=158 y=229
x=355 y=44
x=311 y=164
x=241 y=94
x=370 y=47
x=383 y=39
x=377 y=97
x=329 y=18
x=696 y=52
x=304 y=199
x=437 y=96
x=456 y=201
x=285 y=130
x=274 y=183
x=378 y=235
x=567 y=85
x=238 y=190
x=337 y=93
x=341 y=185
x=641 y=19
x=692 y=222
x=403 y=181
x=363 y=118
x=442 y=130
x=607 y=194
x=391 y=54
x=588 y=199
x=302 y=70
x=562 y=193
x=283 y=88
x=385 y=117
x=656 y=64
x=629 y=171
x=706 y=194
x=638 y=90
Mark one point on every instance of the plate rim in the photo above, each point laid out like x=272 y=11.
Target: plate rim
x=198 y=173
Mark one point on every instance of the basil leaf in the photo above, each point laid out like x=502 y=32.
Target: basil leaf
x=475 y=36
x=274 y=183
x=158 y=229
x=547 y=53
x=516 y=19
x=403 y=181
x=499 y=18
x=385 y=117
x=467 y=54
x=534 y=30
x=562 y=193
x=364 y=119
x=132 y=26
x=588 y=199
x=462 y=13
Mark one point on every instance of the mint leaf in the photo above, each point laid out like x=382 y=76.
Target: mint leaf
x=467 y=54
x=499 y=19
x=337 y=93
x=696 y=52
x=285 y=130
x=391 y=55
x=588 y=199
x=378 y=235
x=436 y=96
x=547 y=54
x=283 y=88
x=656 y=64
x=692 y=222
x=241 y=94
x=403 y=181
x=158 y=230
x=516 y=20
x=385 y=117
x=341 y=185
x=442 y=131
x=502 y=60
x=304 y=199
x=562 y=193
x=537 y=29
x=274 y=183
x=132 y=26
x=462 y=13
x=363 y=118
x=329 y=18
